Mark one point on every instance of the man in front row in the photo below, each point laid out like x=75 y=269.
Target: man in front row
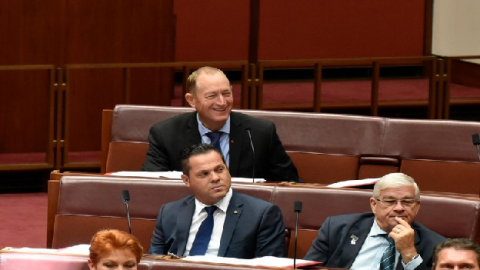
x=388 y=238
x=250 y=146
x=216 y=220
x=457 y=254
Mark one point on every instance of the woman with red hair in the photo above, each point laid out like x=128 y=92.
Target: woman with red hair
x=114 y=249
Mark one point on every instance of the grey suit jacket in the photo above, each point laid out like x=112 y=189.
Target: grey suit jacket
x=333 y=244
x=253 y=228
x=168 y=138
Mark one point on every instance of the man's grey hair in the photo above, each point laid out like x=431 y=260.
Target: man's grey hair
x=395 y=180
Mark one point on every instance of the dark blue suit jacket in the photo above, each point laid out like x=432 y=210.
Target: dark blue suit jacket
x=253 y=228
x=168 y=138
x=333 y=244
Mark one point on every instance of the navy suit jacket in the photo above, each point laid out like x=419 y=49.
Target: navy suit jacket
x=253 y=228
x=333 y=244
x=168 y=138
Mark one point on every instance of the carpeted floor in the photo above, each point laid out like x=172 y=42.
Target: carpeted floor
x=24 y=220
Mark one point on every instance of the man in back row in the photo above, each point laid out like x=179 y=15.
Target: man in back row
x=386 y=239
x=249 y=145
x=216 y=220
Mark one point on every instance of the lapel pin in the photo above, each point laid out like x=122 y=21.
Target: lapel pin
x=354 y=239
x=232 y=141
x=235 y=211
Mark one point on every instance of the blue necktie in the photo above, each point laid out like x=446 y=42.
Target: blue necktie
x=388 y=258
x=200 y=244
x=215 y=139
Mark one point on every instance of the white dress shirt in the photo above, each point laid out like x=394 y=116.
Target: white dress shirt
x=199 y=215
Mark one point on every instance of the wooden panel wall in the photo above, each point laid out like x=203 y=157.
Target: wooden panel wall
x=29 y=32
x=305 y=29
x=213 y=30
x=28 y=36
x=62 y=33
x=142 y=32
x=340 y=29
x=24 y=115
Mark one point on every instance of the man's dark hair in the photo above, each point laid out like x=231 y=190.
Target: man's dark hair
x=194 y=150
x=458 y=244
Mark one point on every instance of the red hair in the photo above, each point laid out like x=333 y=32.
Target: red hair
x=105 y=241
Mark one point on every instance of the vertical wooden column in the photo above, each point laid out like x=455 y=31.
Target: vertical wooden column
x=317 y=88
x=375 y=85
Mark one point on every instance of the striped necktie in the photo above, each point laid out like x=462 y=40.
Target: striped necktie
x=215 y=139
x=388 y=258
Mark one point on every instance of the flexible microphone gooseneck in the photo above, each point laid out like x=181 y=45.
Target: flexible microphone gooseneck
x=126 y=199
x=253 y=151
x=297 y=207
x=476 y=142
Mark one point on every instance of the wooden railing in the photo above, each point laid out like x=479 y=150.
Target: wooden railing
x=373 y=63
x=445 y=71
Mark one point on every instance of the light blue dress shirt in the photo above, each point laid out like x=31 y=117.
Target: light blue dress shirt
x=224 y=139
x=373 y=248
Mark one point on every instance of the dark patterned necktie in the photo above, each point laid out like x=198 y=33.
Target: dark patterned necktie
x=200 y=244
x=388 y=258
x=215 y=139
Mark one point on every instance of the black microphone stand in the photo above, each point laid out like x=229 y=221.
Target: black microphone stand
x=476 y=142
x=126 y=198
x=128 y=218
x=297 y=208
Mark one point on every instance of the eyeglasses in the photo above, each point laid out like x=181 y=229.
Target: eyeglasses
x=393 y=202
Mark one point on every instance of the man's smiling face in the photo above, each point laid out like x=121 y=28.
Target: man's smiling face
x=213 y=99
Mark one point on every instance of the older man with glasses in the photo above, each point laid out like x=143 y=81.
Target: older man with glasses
x=386 y=239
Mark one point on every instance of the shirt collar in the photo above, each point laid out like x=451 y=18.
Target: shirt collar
x=222 y=204
x=203 y=130
x=376 y=230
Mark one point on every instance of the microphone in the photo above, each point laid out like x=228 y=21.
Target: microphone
x=253 y=151
x=126 y=199
x=476 y=142
x=297 y=207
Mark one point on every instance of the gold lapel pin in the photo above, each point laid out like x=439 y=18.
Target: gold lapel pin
x=235 y=211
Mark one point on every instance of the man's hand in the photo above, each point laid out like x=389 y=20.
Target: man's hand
x=404 y=237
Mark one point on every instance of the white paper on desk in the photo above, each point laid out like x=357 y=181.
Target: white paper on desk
x=169 y=174
x=177 y=175
x=269 y=261
x=247 y=180
x=355 y=183
x=83 y=249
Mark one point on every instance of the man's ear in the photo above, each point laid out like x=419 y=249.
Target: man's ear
x=190 y=99
x=186 y=180
x=373 y=203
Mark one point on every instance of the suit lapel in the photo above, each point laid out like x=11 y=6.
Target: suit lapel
x=352 y=248
x=184 y=220
x=234 y=211
x=238 y=138
x=192 y=135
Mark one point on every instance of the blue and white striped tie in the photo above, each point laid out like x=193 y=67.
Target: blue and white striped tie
x=388 y=258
